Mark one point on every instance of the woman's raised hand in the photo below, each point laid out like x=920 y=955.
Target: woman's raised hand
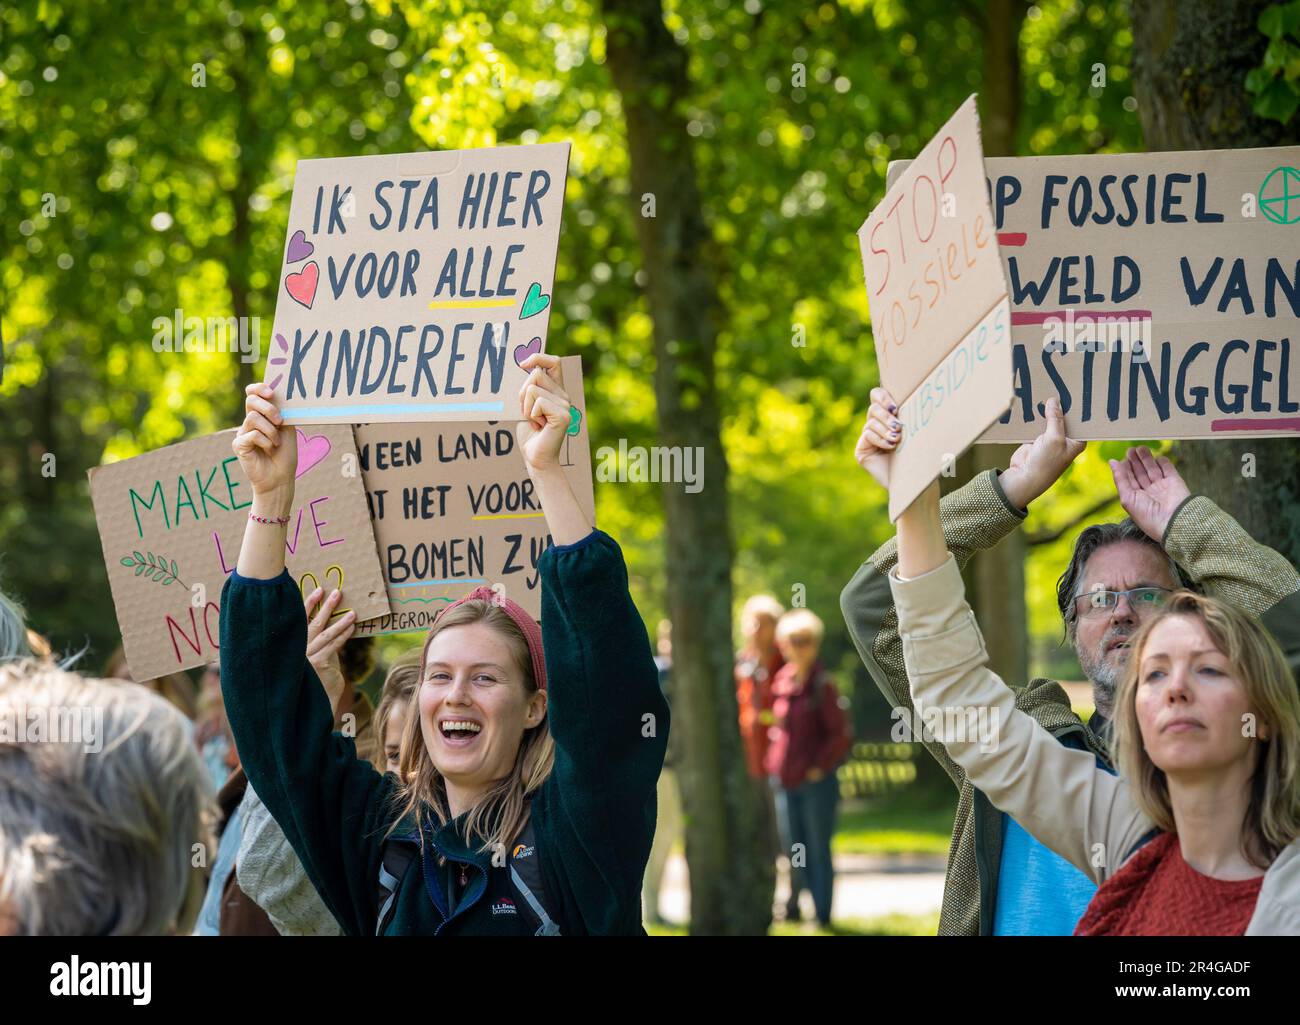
x=268 y=453
x=545 y=404
x=920 y=535
x=880 y=436
x=267 y=447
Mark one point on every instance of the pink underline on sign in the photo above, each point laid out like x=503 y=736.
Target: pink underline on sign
x=1278 y=423
x=1011 y=238
x=1042 y=316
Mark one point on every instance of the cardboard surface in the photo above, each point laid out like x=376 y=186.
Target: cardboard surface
x=936 y=291
x=951 y=407
x=1146 y=296
x=171 y=523
x=413 y=284
x=454 y=509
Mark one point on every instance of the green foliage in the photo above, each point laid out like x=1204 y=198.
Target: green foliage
x=1275 y=84
x=168 y=195
x=134 y=191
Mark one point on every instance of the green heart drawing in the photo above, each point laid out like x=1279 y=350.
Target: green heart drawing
x=534 y=301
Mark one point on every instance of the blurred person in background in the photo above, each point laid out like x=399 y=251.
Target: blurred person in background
x=809 y=739
x=756 y=665
x=668 y=824
x=400 y=685
x=211 y=730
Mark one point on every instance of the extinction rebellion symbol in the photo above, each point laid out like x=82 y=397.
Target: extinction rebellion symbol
x=1279 y=196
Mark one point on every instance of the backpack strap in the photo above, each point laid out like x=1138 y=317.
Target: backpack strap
x=395 y=859
x=526 y=875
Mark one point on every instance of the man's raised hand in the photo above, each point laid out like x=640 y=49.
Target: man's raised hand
x=1150 y=490
x=1038 y=465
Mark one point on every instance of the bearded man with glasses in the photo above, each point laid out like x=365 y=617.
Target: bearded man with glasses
x=1001 y=880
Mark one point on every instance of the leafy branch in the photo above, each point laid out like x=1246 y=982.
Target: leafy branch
x=155 y=567
x=1049 y=534
x=1276 y=82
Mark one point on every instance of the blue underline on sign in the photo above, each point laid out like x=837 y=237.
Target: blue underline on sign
x=453 y=580
x=388 y=409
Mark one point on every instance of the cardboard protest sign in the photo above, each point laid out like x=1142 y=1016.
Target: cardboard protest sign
x=454 y=508
x=939 y=309
x=1157 y=294
x=414 y=284
x=171 y=523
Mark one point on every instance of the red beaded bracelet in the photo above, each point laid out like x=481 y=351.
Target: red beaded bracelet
x=279 y=521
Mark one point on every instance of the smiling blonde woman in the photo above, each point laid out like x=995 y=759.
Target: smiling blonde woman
x=524 y=801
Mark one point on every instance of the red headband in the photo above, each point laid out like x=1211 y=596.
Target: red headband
x=527 y=626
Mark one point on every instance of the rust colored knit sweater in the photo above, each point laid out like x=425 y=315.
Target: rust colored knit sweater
x=1156 y=893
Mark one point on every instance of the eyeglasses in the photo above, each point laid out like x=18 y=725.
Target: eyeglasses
x=799 y=642
x=1101 y=601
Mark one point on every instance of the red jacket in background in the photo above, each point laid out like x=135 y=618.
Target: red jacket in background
x=811 y=730
x=754 y=701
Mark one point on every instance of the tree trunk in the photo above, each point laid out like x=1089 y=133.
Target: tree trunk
x=1190 y=63
x=996 y=578
x=240 y=268
x=732 y=878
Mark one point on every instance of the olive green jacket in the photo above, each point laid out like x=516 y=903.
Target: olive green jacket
x=1210 y=546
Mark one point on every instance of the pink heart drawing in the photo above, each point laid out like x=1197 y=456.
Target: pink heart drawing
x=302 y=286
x=522 y=352
x=299 y=247
x=310 y=451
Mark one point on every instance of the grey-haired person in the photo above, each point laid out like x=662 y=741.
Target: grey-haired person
x=13 y=631
x=101 y=812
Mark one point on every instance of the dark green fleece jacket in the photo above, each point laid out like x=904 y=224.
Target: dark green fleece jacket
x=593 y=818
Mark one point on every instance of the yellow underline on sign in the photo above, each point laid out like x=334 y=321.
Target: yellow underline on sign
x=469 y=304
x=507 y=516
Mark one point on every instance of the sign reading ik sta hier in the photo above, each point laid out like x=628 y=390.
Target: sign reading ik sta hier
x=415 y=284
